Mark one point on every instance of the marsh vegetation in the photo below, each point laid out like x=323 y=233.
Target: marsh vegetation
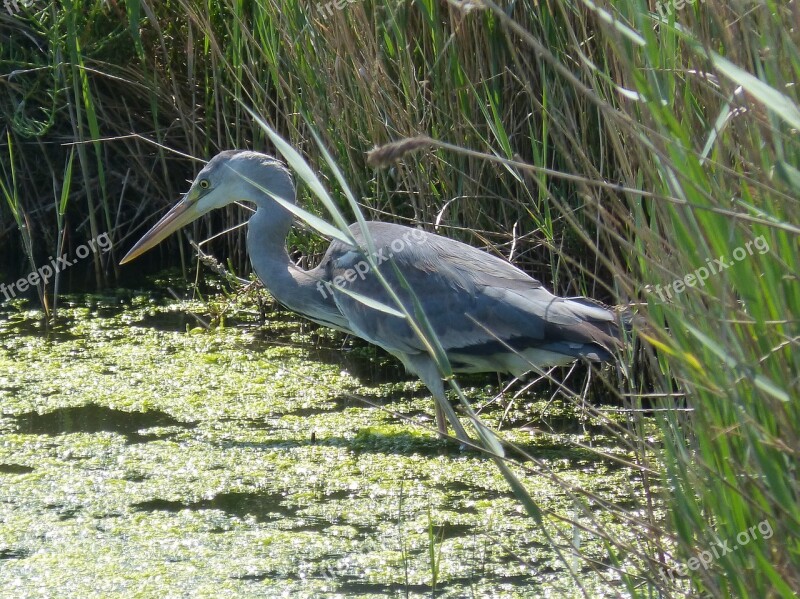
x=608 y=150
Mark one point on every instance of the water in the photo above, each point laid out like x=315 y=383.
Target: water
x=141 y=456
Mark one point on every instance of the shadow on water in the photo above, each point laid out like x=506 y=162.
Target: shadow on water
x=91 y=418
x=367 y=440
x=167 y=321
x=18 y=326
x=362 y=360
x=335 y=404
x=347 y=585
x=571 y=424
x=376 y=441
x=15 y=469
x=25 y=316
x=352 y=585
x=262 y=506
x=366 y=363
x=14 y=553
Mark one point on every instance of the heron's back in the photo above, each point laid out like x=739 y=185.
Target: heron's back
x=487 y=314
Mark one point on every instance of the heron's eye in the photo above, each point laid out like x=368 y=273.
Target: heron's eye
x=204 y=183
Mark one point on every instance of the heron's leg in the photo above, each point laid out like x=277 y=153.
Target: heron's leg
x=583 y=397
x=441 y=420
x=425 y=368
x=427 y=371
x=447 y=411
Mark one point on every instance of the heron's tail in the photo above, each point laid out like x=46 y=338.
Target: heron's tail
x=612 y=329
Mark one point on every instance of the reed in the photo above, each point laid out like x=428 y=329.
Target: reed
x=610 y=148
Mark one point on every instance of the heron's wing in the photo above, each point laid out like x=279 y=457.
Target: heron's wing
x=477 y=304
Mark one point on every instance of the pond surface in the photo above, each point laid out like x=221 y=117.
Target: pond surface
x=144 y=456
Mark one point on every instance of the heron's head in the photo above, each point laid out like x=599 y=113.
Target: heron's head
x=231 y=176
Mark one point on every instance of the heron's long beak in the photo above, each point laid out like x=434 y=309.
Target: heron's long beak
x=181 y=214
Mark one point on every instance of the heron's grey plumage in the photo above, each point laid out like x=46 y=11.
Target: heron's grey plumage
x=487 y=314
x=482 y=308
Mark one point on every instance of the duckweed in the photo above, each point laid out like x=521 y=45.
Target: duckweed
x=142 y=457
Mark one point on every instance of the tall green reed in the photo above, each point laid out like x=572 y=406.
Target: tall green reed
x=650 y=147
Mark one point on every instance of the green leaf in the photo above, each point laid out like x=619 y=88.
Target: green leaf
x=306 y=173
x=607 y=17
x=369 y=302
x=351 y=198
x=312 y=220
x=774 y=100
x=760 y=381
x=62 y=206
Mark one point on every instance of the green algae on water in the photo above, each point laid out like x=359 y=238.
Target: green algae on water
x=141 y=456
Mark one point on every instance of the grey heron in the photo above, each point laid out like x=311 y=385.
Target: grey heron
x=488 y=315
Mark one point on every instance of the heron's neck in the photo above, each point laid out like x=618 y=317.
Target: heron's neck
x=290 y=285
